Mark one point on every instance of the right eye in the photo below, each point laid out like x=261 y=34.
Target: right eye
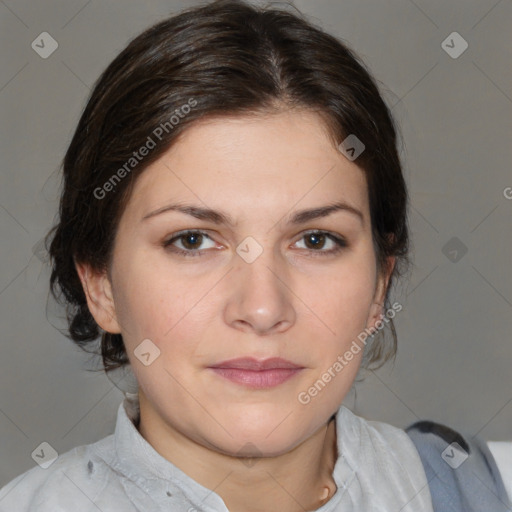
x=188 y=239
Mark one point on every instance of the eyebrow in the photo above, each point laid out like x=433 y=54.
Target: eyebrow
x=219 y=217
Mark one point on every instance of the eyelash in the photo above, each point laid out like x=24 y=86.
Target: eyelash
x=340 y=243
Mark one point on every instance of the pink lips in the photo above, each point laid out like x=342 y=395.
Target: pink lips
x=257 y=374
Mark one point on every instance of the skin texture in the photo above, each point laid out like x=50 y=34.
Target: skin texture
x=294 y=301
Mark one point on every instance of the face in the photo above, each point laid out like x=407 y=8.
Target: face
x=254 y=279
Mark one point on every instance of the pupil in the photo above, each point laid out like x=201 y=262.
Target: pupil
x=192 y=236
x=317 y=239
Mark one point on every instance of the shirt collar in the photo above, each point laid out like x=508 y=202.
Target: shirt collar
x=140 y=462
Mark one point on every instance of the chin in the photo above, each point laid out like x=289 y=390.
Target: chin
x=268 y=435
x=254 y=446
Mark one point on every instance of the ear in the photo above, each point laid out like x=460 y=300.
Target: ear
x=98 y=291
x=376 y=309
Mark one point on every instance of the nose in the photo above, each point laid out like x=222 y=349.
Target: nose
x=260 y=297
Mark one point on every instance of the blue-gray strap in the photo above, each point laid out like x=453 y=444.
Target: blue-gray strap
x=461 y=471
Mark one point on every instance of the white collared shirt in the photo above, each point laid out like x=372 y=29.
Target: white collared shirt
x=502 y=453
x=378 y=470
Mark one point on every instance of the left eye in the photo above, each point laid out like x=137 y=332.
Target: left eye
x=192 y=240
x=316 y=239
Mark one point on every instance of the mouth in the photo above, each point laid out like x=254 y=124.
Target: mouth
x=250 y=372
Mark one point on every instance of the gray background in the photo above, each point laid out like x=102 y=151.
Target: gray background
x=455 y=352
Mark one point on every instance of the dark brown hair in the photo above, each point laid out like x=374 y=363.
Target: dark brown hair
x=220 y=59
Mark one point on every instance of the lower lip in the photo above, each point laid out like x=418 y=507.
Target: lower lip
x=257 y=379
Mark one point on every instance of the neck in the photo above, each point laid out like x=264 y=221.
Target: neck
x=298 y=480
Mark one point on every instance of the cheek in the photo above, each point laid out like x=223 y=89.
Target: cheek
x=142 y=299
x=341 y=299
x=152 y=303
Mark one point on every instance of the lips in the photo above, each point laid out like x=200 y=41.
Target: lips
x=249 y=363
x=254 y=374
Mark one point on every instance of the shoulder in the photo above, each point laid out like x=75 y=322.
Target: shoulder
x=383 y=436
x=461 y=471
x=71 y=482
x=384 y=458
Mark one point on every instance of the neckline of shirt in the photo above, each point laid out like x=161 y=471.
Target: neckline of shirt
x=137 y=460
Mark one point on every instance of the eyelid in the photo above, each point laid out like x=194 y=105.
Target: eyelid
x=339 y=240
x=179 y=234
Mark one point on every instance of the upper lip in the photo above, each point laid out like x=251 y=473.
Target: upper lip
x=250 y=363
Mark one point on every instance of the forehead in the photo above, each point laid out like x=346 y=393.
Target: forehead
x=252 y=164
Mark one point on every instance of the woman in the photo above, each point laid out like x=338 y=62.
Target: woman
x=233 y=218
